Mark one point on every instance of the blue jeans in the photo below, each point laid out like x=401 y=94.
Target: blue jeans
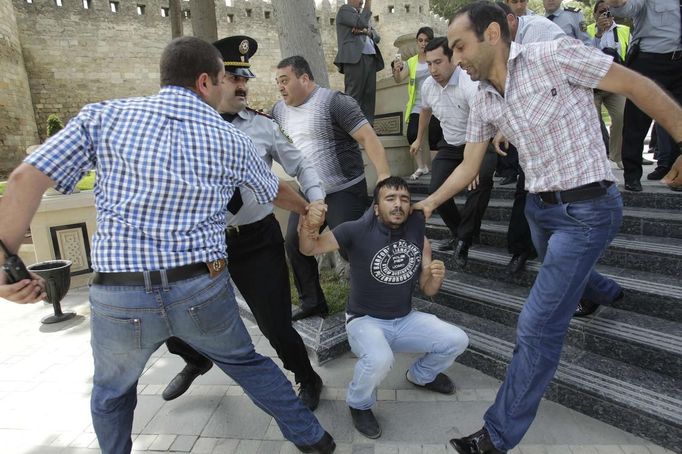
x=373 y=340
x=130 y=322
x=569 y=239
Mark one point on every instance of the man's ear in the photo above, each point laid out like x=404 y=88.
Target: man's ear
x=376 y=209
x=201 y=85
x=493 y=33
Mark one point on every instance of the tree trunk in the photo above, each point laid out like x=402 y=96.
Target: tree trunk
x=175 y=8
x=203 y=17
x=300 y=35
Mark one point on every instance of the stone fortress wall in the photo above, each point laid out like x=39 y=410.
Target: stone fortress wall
x=74 y=55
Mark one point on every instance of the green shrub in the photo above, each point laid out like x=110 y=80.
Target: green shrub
x=2 y=187
x=87 y=183
x=54 y=125
x=335 y=290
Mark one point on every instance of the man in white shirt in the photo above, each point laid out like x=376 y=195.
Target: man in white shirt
x=448 y=95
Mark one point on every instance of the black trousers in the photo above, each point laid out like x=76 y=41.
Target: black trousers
x=258 y=267
x=360 y=81
x=345 y=205
x=519 y=239
x=668 y=74
x=464 y=224
x=508 y=166
x=435 y=131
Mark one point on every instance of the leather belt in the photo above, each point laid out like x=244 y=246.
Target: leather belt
x=672 y=56
x=234 y=231
x=585 y=192
x=172 y=275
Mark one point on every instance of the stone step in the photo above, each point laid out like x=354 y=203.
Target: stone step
x=636 y=252
x=637 y=339
x=629 y=397
x=647 y=293
x=654 y=196
x=636 y=221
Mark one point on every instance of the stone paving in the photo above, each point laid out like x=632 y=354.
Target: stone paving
x=46 y=378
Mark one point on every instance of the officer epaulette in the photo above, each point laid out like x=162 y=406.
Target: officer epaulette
x=572 y=9
x=258 y=112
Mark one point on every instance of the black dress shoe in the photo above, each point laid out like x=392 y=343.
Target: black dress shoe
x=181 y=382
x=365 y=422
x=658 y=173
x=518 y=262
x=476 y=443
x=326 y=445
x=441 y=384
x=585 y=308
x=309 y=392
x=634 y=186
x=321 y=309
x=462 y=254
x=508 y=180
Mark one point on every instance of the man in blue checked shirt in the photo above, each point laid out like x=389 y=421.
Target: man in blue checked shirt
x=167 y=165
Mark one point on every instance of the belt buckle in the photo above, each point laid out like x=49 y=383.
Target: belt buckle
x=216 y=267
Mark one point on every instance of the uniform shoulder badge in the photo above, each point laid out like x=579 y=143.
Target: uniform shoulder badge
x=583 y=26
x=259 y=112
x=571 y=9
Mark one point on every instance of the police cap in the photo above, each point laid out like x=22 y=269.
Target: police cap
x=236 y=52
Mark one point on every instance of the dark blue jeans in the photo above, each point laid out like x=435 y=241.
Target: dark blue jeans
x=130 y=322
x=569 y=239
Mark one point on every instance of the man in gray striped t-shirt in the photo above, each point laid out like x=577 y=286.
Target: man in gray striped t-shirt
x=328 y=127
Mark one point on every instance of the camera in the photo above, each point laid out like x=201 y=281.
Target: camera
x=606 y=14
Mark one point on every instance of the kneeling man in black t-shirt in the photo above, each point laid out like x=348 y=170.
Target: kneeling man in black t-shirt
x=388 y=254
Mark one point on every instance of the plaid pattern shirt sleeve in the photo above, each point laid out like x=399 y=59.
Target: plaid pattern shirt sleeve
x=167 y=165
x=582 y=65
x=478 y=130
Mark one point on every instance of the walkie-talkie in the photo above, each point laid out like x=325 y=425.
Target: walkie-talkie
x=13 y=266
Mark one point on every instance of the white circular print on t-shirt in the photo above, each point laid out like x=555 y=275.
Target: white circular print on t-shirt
x=396 y=263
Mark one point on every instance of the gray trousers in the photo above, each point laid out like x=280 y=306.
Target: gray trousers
x=360 y=81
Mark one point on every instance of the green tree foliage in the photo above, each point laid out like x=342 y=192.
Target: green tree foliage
x=54 y=125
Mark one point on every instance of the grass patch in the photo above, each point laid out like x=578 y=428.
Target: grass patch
x=335 y=290
x=2 y=187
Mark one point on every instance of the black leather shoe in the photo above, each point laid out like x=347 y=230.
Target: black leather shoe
x=508 y=180
x=518 y=262
x=462 y=254
x=634 y=186
x=365 y=422
x=326 y=445
x=181 y=382
x=585 y=308
x=441 y=384
x=476 y=443
x=309 y=392
x=320 y=309
x=658 y=173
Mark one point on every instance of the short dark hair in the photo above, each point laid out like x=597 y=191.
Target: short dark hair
x=298 y=64
x=428 y=31
x=596 y=5
x=186 y=58
x=481 y=14
x=506 y=8
x=435 y=43
x=390 y=182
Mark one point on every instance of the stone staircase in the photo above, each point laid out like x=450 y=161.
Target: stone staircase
x=622 y=365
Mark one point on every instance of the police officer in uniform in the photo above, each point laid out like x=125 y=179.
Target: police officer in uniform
x=571 y=20
x=255 y=246
x=656 y=52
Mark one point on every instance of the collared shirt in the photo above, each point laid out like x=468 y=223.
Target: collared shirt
x=450 y=104
x=322 y=128
x=572 y=23
x=271 y=144
x=656 y=24
x=548 y=112
x=368 y=46
x=167 y=165
x=536 y=29
x=607 y=39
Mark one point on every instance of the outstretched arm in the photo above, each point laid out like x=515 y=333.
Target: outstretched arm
x=366 y=137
